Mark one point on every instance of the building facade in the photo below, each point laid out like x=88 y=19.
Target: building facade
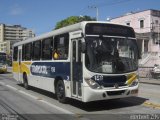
x=146 y=24
x=9 y=34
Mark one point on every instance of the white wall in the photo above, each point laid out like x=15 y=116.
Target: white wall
x=156 y=26
x=134 y=19
x=1 y=32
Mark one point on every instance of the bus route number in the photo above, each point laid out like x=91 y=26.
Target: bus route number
x=98 y=77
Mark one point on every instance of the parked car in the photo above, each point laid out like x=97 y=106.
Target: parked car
x=155 y=72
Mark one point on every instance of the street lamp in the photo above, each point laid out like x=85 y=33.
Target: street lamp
x=94 y=7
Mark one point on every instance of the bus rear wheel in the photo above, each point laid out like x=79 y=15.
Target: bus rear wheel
x=25 y=82
x=60 y=92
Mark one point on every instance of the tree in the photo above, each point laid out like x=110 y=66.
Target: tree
x=72 y=20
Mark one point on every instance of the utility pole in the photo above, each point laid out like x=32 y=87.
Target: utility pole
x=97 y=12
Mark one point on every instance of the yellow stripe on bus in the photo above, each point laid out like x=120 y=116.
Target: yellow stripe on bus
x=131 y=78
x=15 y=67
x=21 y=68
x=25 y=68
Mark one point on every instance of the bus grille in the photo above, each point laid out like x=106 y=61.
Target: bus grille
x=110 y=93
x=110 y=81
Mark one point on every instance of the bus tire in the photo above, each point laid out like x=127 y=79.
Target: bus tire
x=60 y=91
x=25 y=82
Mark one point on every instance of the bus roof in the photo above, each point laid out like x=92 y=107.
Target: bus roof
x=70 y=28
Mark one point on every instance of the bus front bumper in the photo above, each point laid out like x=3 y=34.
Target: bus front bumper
x=2 y=70
x=105 y=94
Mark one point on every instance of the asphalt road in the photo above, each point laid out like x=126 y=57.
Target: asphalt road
x=38 y=104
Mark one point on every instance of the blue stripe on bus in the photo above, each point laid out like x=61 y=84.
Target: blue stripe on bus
x=51 y=69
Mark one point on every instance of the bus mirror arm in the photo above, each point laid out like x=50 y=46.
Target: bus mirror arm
x=83 y=50
x=139 y=55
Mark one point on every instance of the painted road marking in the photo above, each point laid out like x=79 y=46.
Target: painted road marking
x=77 y=115
x=37 y=98
x=13 y=88
x=58 y=108
x=27 y=94
x=2 y=83
x=152 y=105
x=146 y=104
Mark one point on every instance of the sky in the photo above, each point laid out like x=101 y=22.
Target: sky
x=41 y=16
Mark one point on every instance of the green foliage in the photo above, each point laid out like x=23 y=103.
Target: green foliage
x=72 y=20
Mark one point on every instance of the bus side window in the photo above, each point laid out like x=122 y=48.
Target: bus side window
x=47 y=46
x=23 y=52
x=61 y=45
x=28 y=51
x=15 y=53
x=36 y=50
x=79 y=50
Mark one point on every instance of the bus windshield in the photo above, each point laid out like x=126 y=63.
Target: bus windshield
x=111 y=55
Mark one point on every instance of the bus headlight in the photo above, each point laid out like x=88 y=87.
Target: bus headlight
x=93 y=84
x=4 y=66
x=134 y=83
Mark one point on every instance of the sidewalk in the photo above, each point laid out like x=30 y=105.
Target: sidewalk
x=150 y=81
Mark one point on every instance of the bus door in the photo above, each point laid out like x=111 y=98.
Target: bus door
x=19 y=62
x=76 y=68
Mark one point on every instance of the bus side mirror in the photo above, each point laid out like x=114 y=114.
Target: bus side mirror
x=83 y=50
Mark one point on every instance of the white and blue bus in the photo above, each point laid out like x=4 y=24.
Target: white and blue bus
x=87 y=61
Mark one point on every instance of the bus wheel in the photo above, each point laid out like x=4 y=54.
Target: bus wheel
x=25 y=82
x=60 y=92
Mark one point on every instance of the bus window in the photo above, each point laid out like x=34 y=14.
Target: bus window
x=15 y=53
x=23 y=52
x=36 y=50
x=79 y=50
x=47 y=46
x=61 y=45
x=28 y=51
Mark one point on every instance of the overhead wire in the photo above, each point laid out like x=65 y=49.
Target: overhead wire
x=86 y=9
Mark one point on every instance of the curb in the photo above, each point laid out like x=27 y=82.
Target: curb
x=153 y=83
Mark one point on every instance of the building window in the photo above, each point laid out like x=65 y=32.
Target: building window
x=141 y=23
x=36 y=50
x=156 y=21
x=47 y=47
x=128 y=24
